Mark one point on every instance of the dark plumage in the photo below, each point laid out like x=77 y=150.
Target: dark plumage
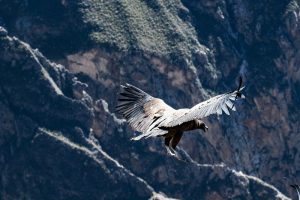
x=153 y=117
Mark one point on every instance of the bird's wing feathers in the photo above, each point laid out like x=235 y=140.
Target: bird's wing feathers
x=153 y=117
x=141 y=110
x=214 y=105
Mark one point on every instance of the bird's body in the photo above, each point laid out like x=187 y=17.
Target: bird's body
x=154 y=118
x=174 y=134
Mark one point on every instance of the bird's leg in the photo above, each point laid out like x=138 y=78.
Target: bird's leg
x=169 y=147
x=170 y=151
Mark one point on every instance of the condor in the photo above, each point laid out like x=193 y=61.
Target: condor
x=154 y=118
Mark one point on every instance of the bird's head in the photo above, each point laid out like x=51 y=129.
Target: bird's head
x=203 y=126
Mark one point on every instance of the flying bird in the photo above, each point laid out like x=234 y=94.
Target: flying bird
x=154 y=118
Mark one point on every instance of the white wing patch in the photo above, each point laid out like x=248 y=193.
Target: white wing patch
x=215 y=105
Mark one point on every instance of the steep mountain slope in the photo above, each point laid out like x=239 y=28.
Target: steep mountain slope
x=49 y=151
x=46 y=149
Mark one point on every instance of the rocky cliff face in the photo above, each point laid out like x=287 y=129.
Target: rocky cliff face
x=60 y=137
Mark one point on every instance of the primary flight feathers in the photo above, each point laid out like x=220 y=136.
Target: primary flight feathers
x=153 y=117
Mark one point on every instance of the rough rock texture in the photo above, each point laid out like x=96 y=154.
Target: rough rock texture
x=47 y=150
x=181 y=51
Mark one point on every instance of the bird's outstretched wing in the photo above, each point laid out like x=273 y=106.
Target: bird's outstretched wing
x=214 y=105
x=141 y=110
